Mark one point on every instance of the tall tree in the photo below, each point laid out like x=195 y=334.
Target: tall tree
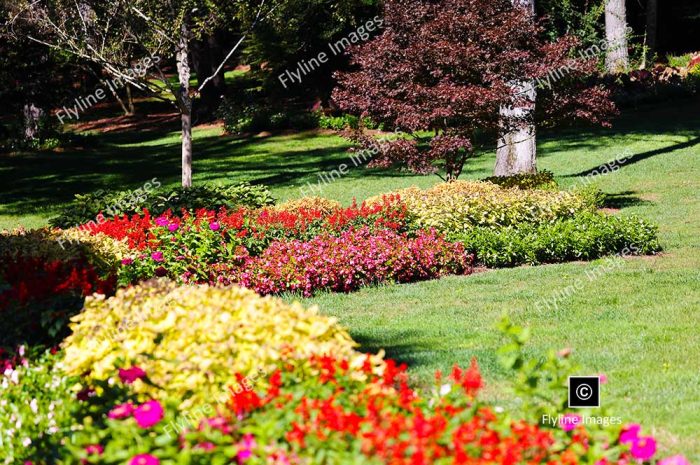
x=516 y=148
x=652 y=15
x=447 y=68
x=617 y=59
x=116 y=34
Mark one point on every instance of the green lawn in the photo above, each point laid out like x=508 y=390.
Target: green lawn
x=638 y=323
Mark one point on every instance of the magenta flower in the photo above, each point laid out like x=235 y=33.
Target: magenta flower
x=630 y=434
x=162 y=221
x=157 y=256
x=674 y=460
x=121 y=411
x=144 y=459
x=643 y=448
x=127 y=261
x=245 y=450
x=94 y=449
x=172 y=227
x=570 y=421
x=214 y=226
x=129 y=375
x=148 y=413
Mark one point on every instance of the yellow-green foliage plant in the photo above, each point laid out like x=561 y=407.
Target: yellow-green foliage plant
x=308 y=203
x=192 y=340
x=63 y=245
x=460 y=205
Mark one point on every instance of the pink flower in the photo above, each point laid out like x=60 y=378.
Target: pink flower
x=94 y=449
x=172 y=227
x=148 y=413
x=570 y=421
x=157 y=256
x=144 y=459
x=603 y=378
x=643 y=448
x=162 y=221
x=246 y=448
x=674 y=460
x=127 y=261
x=207 y=446
x=629 y=434
x=121 y=411
x=129 y=375
x=214 y=226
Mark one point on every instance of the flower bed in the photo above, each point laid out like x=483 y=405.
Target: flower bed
x=351 y=408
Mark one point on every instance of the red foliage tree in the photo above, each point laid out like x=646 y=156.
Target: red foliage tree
x=447 y=66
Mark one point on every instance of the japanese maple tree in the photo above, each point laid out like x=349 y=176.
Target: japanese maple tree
x=441 y=70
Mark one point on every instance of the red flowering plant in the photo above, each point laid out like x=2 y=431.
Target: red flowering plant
x=346 y=262
x=44 y=278
x=334 y=411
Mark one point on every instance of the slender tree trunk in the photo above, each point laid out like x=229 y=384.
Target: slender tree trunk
x=616 y=60
x=130 y=101
x=516 y=150
x=185 y=102
x=32 y=120
x=652 y=26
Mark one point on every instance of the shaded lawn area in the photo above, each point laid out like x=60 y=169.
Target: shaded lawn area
x=637 y=323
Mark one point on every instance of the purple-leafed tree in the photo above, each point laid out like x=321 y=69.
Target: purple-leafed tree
x=442 y=70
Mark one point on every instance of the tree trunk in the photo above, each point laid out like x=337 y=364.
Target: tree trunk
x=616 y=60
x=130 y=101
x=185 y=102
x=516 y=151
x=206 y=56
x=32 y=120
x=652 y=26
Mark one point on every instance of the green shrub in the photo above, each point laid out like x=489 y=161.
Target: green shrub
x=86 y=207
x=247 y=115
x=338 y=123
x=35 y=412
x=584 y=237
x=541 y=180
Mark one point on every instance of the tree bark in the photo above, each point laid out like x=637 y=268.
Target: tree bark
x=516 y=150
x=652 y=26
x=616 y=60
x=130 y=101
x=185 y=102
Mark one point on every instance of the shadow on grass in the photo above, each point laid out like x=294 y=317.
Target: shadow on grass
x=624 y=199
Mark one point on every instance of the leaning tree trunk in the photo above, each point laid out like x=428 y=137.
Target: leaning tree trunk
x=652 y=26
x=616 y=60
x=516 y=151
x=185 y=102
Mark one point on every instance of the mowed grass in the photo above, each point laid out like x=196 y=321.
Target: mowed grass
x=637 y=322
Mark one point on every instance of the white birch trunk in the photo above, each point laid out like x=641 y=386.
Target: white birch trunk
x=616 y=59
x=516 y=151
x=185 y=103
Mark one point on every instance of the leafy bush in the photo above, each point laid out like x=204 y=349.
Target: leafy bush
x=87 y=208
x=245 y=118
x=35 y=411
x=584 y=237
x=541 y=180
x=192 y=339
x=344 y=263
x=460 y=205
x=45 y=277
x=345 y=121
x=309 y=203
